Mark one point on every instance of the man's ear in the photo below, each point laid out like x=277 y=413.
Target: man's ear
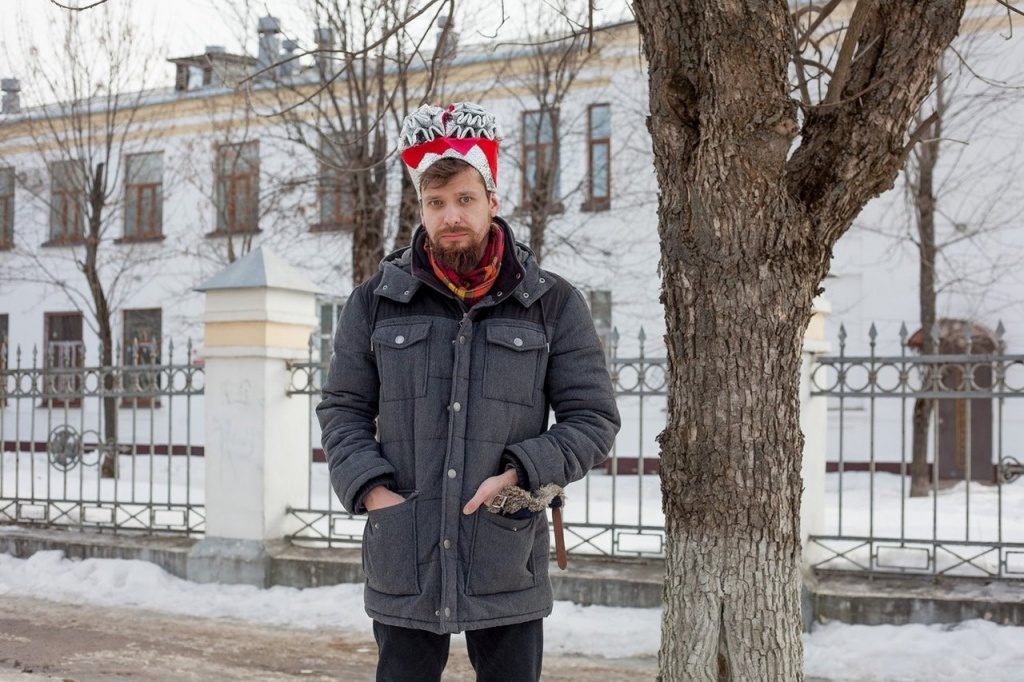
x=494 y=203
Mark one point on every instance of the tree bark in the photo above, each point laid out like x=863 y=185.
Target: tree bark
x=97 y=197
x=746 y=231
x=924 y=161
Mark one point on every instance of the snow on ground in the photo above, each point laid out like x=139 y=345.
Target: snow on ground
x=836 y=652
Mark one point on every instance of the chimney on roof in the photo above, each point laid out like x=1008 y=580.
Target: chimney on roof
x=447 y=38
x=324 y=38
x=287 y=67
x=268 y=28
x=11 y=103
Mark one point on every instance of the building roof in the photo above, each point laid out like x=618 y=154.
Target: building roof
x=260 y=268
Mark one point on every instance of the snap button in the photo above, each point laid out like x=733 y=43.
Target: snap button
x=526 y=295
x=452 y=473
x=384 y=288
x=447 y=544
x=517 y=341
x=407 y=291
x=447 y=611
x=399 y=339
x=457 y=407
x=462 y=340
x=437 y=613
x=542 y=280
x=499 y=294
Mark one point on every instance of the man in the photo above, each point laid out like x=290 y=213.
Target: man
x=445 y=365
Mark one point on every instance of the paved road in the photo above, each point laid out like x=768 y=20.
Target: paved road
x=47 y=640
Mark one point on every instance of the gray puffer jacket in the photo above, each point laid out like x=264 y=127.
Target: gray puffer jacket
x=460 y=395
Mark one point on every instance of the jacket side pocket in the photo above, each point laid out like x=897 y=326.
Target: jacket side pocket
x=389 y=550
x=502 y=556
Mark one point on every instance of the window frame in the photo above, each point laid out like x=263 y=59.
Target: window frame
x=227 y=186
x=134 y=203
x=541 y=149
x=7 y=209
x=72 y=356
x=335 y=182
x=71 y=202
x=592 y=202
x=132 y=351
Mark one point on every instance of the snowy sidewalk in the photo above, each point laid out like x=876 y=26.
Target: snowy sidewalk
x=254 y=626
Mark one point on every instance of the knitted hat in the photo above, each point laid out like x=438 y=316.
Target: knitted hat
x=462 y=131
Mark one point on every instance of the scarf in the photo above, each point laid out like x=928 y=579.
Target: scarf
x=473 y=285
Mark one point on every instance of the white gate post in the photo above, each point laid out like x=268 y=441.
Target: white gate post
x=259 y=314
x=814 y=424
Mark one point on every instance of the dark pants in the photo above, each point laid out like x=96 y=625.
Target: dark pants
x=509 y=652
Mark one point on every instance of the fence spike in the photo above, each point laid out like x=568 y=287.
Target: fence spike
x=903 y=334
x=1000 y=341
x=170 y=350
x=873 y=334
x=642 y=336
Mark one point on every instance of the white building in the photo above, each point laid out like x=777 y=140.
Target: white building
x=199 y=173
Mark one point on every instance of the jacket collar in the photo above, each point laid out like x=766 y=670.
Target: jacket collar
x=521 y=278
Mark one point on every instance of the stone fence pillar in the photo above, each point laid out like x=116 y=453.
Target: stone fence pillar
x=814 y=424
x=259 y=314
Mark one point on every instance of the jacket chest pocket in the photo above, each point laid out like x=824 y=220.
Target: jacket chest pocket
x=514 y=364
x=403 y=358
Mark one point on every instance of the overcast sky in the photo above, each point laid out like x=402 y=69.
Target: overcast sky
x=186 y=27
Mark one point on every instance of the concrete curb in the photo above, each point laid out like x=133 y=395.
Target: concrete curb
x=845 y=597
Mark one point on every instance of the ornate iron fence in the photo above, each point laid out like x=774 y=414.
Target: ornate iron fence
x=64 y=463
x=615 y=511
x=956 y=510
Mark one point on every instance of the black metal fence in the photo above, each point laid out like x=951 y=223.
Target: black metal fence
x=956 y=509
x=101 y=447
x=615 y=511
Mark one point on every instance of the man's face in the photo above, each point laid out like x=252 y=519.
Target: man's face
x=457 y=217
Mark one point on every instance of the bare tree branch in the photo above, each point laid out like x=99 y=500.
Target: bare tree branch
x=77 y=9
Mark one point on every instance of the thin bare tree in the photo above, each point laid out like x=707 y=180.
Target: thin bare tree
x=87 y=75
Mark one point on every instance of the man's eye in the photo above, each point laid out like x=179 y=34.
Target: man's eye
x=466 y=200
x=435 y=203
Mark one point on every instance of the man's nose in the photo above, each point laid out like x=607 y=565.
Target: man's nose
x=452 y=215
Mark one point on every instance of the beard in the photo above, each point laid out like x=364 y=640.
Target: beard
x=460 y=258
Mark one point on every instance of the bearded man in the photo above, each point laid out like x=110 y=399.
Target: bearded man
x=435 y=416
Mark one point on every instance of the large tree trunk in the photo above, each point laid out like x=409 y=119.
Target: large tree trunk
x=746 y=233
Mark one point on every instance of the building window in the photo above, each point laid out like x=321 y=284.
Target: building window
x=4 y=321
x=540 y=159
x=6 y=208
x=601 y=312
x=143 y=196
x=141 y=344
x=336 y=190
x=65 y=355
x=330 y=313
x=238 y=188
x=3 y=356
x=599 y=170
x=67 y=202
